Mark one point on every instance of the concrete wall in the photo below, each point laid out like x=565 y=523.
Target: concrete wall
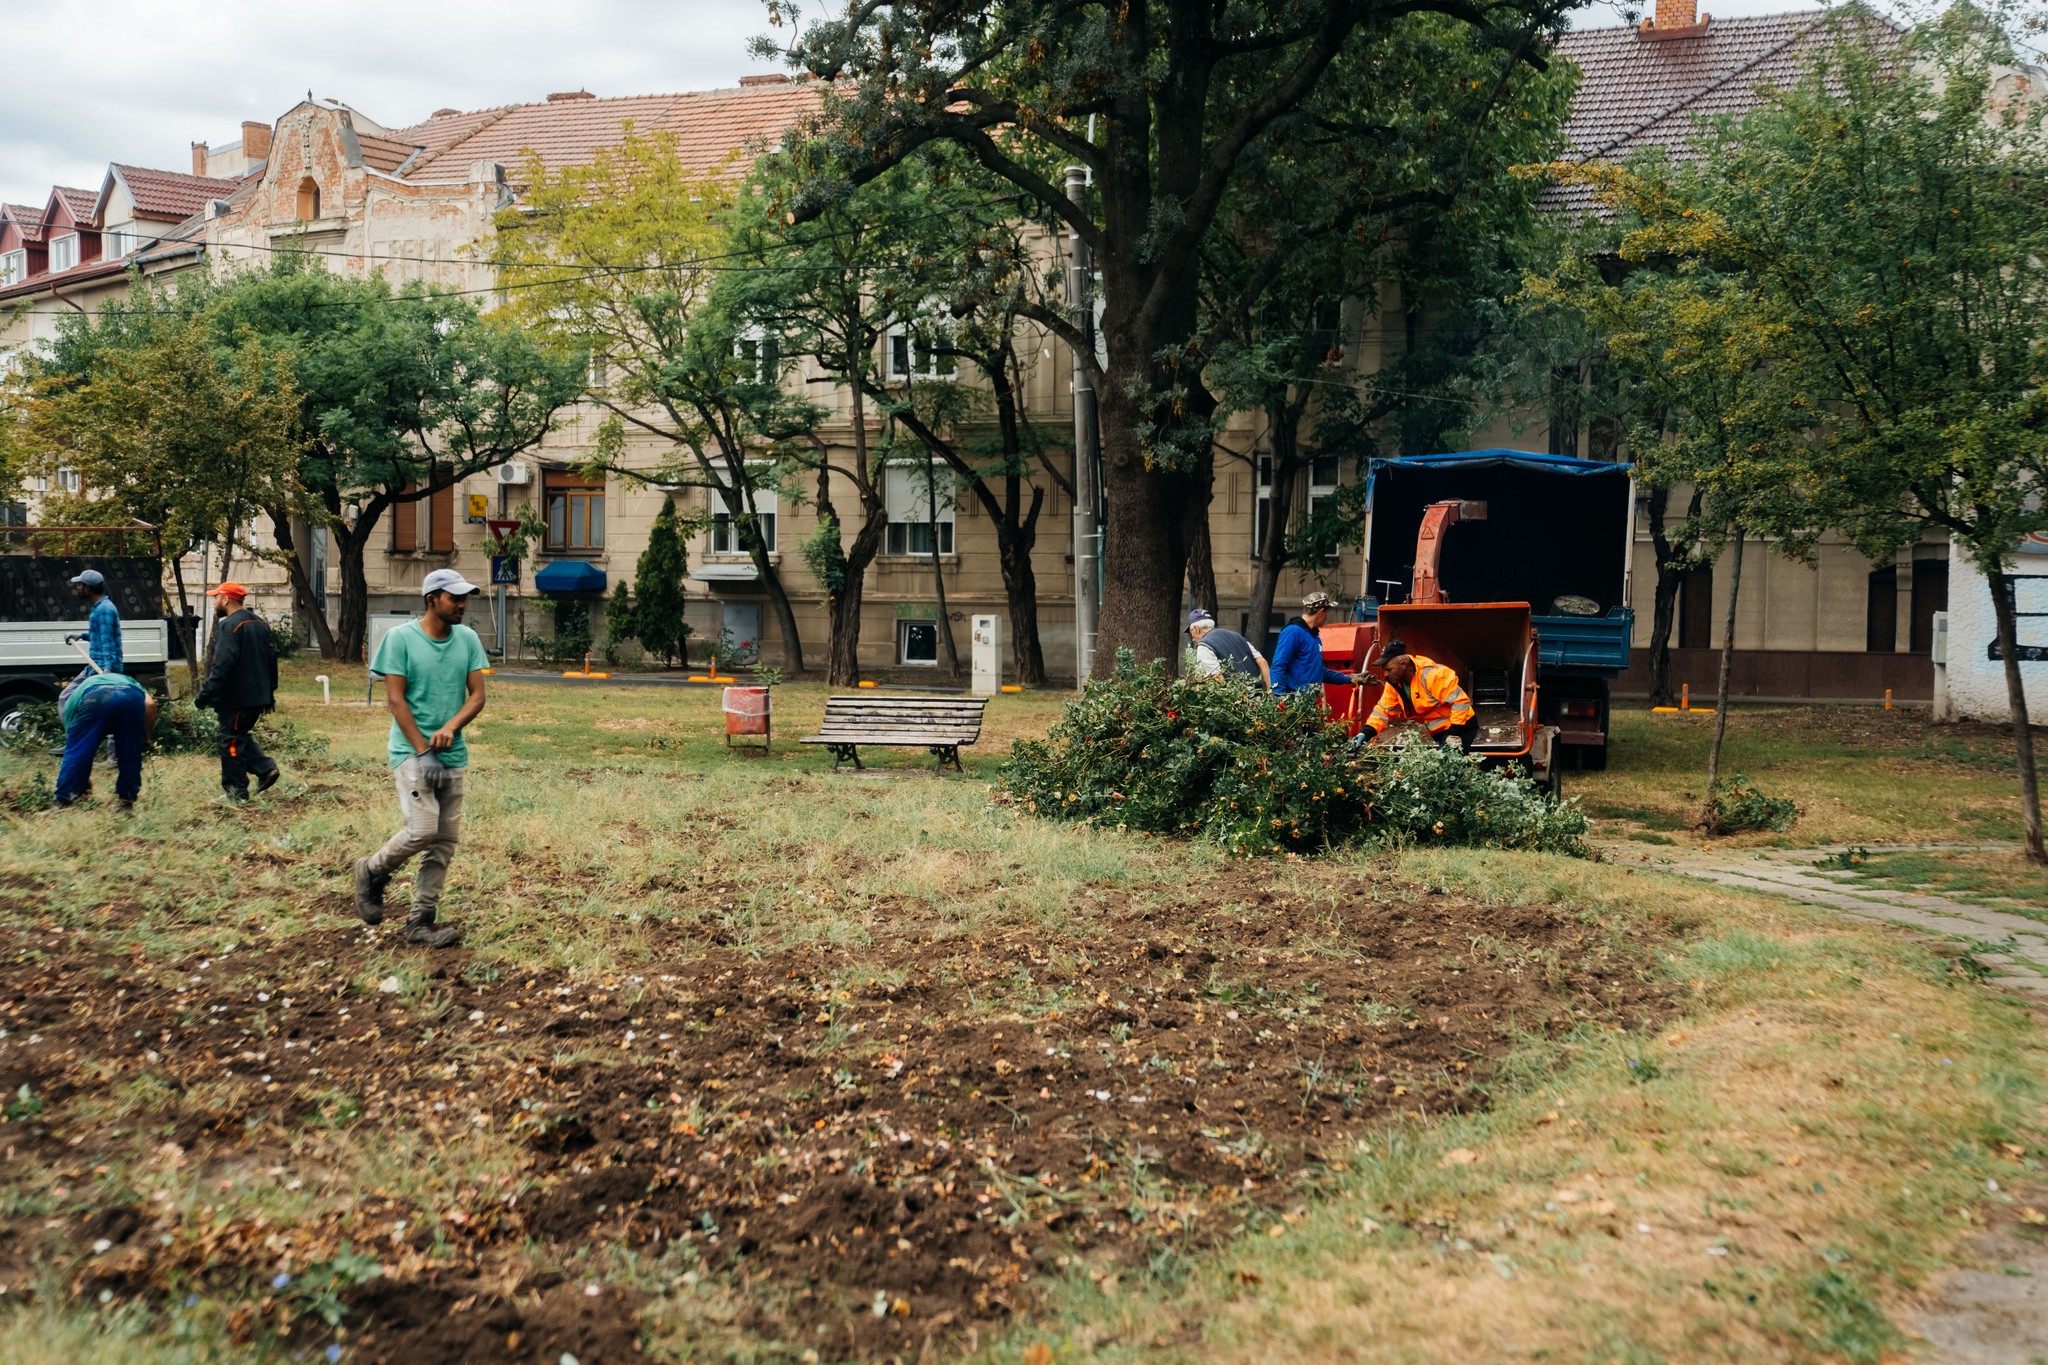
x=1972 y=684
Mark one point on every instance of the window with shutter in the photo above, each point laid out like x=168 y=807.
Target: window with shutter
x=908 y=494
x=405 y=524
x=575 y=511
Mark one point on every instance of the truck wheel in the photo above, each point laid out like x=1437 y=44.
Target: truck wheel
x=16 y=728
x=1593 y=758
x=1554 y=782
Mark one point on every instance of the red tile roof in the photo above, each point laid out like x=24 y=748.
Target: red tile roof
x=1638 y=90
x=79 y=202
x=28 y=218
x=383 y=153
x=710 y=126
x=172 y=195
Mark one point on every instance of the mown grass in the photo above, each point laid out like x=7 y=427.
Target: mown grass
x=1859 y=774
x=1991 y=876
x=1826 y=1115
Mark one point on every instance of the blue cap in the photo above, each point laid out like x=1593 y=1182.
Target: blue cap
x=1198 y=616
x=91 y=578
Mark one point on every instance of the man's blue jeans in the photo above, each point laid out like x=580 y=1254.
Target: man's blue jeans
x=123 y=714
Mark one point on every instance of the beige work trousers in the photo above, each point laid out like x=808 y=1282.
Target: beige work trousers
x=432 y=828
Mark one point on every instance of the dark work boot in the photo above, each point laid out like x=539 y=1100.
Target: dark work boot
x=369 y=893
x=265 y=781
x=421 y=930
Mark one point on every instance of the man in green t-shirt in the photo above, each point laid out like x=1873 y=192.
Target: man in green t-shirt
x=433 y=672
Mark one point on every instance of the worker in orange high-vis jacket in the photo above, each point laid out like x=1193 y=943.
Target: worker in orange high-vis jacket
x=1424 y=691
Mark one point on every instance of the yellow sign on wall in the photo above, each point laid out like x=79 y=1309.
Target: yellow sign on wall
x=479 y=506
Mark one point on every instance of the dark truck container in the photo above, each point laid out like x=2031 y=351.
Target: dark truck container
x=38 y=608
x=1559 y=534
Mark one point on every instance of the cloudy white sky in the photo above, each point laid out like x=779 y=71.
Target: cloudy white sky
x=138 y=81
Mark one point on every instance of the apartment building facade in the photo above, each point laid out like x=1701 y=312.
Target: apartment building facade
x=419 y=201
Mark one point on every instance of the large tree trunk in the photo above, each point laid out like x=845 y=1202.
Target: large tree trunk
x=353 y=619
x=302 y=584
x=1671 y=568
x=1707 y=816
x=1145 y=548
x=2016 y=699
x=785 y=615
x=1202 y=571
x=1020 y=586
x=931 y=496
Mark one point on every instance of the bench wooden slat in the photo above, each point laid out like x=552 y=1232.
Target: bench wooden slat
x=940 y=723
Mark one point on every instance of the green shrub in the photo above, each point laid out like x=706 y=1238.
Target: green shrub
x=1199 y=757
x=1423 y=793
x=1739 y=808
x=182 y=728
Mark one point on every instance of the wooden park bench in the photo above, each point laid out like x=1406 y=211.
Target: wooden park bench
x=941 y=724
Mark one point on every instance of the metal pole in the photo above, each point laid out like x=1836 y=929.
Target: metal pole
x=1087 y=527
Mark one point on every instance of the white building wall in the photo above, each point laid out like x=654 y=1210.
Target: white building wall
x=1972 y=685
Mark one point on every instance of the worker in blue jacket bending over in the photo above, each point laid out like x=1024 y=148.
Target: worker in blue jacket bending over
x=1298 y=659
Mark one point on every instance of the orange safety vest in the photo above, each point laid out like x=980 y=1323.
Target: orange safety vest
x=1439 y=702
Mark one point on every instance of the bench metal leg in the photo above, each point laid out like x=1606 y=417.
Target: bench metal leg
x=844 y=753
x=948 y=753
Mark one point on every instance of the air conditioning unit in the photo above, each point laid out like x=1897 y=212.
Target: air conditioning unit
x=516 y=472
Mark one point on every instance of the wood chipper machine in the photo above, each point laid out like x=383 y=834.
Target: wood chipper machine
x=1513 y=569
x=1491 y=646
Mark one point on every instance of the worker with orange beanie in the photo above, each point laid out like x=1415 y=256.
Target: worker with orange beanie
x=241 y=684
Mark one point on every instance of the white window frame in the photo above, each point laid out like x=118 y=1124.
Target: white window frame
x=62 y=247
x=903 y=357
x=907 y=502
x=725 y=540
x=67 y=479
x=759 y=354
x=904 y=628
x=118 y=241
x=1319 y=492
x=13 y=266
x=1262 y=491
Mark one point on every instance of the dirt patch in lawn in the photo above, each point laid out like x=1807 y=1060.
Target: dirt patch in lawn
x=882 y=1145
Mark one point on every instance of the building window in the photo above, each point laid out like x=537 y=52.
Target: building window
x=908 y=492
x=438 y=511
x=1696 y=609
x=1325 y=475
x=13 y=267
x=1881 y=613
x=309 y=200
x=116 y=242
x=917 y=642
x=1327 y=324
x=575 y=505
x=725 y=536
x=63 y=252
x=912 y=346
x=68 y=480
x=13 y=514
x=759 y=356
x=1930 y=595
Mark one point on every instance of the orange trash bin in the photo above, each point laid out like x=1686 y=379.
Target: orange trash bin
x=747 y=712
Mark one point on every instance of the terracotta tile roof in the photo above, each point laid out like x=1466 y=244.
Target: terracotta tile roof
x=80 y=202
x=28 y=218
x=172 y=195
x=1640 y=91
x=383 y=153
x=710 y=126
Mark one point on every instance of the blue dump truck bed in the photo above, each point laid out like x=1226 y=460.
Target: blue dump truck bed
x=1556 y=528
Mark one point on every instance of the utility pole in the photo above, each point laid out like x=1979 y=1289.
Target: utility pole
x=1087 y=448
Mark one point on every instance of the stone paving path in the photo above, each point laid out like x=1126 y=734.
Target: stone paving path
x=2018 y=958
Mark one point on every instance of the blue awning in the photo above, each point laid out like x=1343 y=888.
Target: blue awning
x=569 y=575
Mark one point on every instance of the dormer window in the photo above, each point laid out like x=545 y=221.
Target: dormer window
x=309 y=200
x=63 y=252
x=116 y=242
x=13 y=267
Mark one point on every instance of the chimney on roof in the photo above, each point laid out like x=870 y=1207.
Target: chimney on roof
x=561 y=96
x=444 y=113
x=199 y=158
x=255 y=141
x=1675 y=19
x=773 y=78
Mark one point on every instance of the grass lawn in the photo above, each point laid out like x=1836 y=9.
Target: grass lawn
x=745 y=1059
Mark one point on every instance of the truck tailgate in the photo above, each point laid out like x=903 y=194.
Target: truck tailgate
x=39 y=645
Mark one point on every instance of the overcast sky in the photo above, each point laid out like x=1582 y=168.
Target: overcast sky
x=137 y=81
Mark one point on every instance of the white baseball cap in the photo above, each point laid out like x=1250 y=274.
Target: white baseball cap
x=450 y=581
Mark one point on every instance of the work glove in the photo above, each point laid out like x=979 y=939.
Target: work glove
x=433 y=772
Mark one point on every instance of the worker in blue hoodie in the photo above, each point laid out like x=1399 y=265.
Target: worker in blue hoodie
x=1298 y=658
